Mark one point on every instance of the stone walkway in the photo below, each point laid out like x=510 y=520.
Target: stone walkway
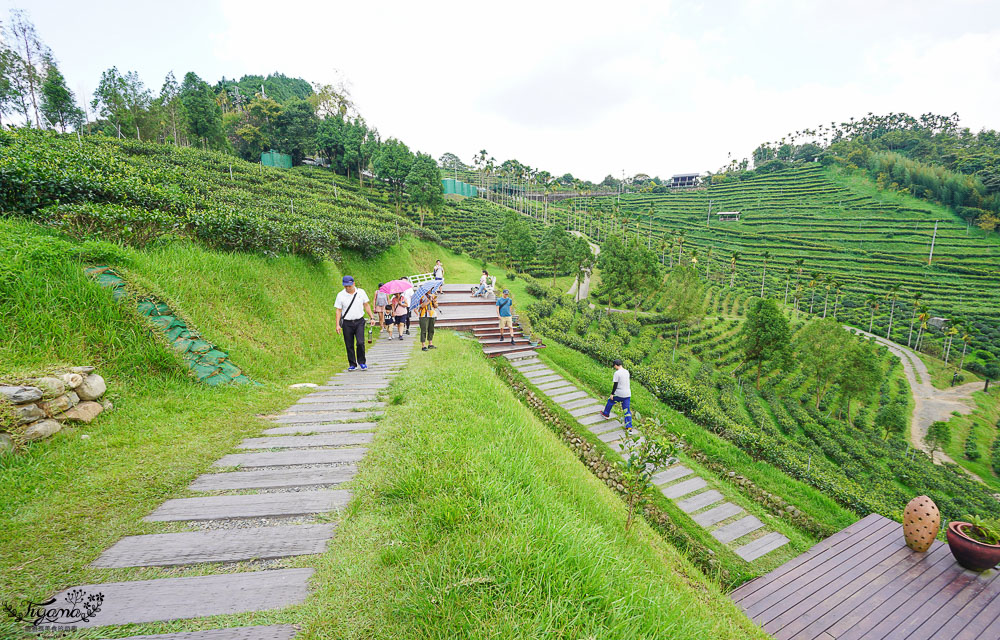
x=285 y=479
x=727 y=522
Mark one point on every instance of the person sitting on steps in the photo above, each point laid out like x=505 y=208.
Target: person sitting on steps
x=505 y=306
x=621 y=392
x=483 y=280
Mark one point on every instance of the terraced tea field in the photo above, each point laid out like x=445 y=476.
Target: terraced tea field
x=840 y=226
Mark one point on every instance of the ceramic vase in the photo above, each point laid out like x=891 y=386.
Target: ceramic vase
x=921 y=523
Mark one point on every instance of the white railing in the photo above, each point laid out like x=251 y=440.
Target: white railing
x=420 y=278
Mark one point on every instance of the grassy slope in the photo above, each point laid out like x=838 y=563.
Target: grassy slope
x=986 y=419
x=68 y=498
x=471 y=519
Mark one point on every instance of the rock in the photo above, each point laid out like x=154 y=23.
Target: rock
x=789 y=509
x=20 y=395
x=108 y=406
x=6 y=443
x=85 y=411
x=42 y=429
x=28 y=413
x=51 y=387
x=72 y=380
x=85 y=436
x=731 y=474
x=303 y=385
x=56 y=406
x=82 y=370
x=93 y=387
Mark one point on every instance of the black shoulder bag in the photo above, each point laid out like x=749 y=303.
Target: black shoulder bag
x=343 y=316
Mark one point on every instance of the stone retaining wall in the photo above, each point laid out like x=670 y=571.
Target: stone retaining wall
x=38 y=410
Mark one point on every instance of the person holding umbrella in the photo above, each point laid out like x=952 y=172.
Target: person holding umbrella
x=408 y=300
x=351 y=305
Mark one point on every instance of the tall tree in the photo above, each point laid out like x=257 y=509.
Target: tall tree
x=392 y=164
x=295 y=129
x=516 y=240
x=12 y=84
x=820 y=347
x=58 y=102
x=615 y=266
x=938 y=436
x=764 y=335
x=423 y=184
x=204 y=117
x=172 y=108
x=583 y=261
x=861 y=374
x=686 y=297
x=31 y=51
x=557 y=247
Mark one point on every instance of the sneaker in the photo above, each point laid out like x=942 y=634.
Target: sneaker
x=430 y=346
x=501 y=338
x=407 y=332
x=351 y=368
x=512 y=340
x=400 y=337
x=604 y=415
x=364 y=367
x=423 y=348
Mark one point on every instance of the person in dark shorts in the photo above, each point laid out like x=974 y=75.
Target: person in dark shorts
x=400 y=312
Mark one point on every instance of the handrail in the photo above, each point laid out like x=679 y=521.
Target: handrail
x=420 y=278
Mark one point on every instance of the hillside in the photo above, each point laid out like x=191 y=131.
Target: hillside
x=841 y=227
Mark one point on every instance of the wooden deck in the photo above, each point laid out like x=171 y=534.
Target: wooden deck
x=864 y=583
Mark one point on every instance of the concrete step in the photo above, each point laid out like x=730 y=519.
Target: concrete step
x=321 y=440
x=699 y=501
x=334 y=427
x=684 y=487
x=761 y=546
x=277 y=479
x=268 y=632
x=671 y=473
x=250 y=506
x=717 y=514
x=290 y=458
x=738 y=529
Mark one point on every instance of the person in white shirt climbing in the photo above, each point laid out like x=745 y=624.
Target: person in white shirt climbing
x=351 y=305
x=621 y=392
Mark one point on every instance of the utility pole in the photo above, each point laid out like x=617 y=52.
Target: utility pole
x=708 y=221
x=933 y=238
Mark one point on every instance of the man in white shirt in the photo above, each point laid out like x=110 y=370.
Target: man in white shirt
x=351 y=305
x=621 y=391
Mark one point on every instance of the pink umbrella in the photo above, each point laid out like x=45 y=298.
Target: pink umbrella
x=396 y=286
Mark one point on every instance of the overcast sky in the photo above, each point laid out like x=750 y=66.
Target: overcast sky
x=586 y=87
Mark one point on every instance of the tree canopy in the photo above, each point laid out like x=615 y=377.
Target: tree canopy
x=764 y=335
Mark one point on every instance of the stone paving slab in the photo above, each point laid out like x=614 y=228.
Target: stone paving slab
x=269 y=632
x=322 y=440
x=336 y=427
x=576 y=404
x=527 y=362
x=328 y=396
x=684 y=487
x=569 y=396
x=604 y=427
x=360 y=387
x=550 y=385
x=699 y=501
x=586 y=410
x=287 y=458
x=717 y=514
x=560 y=390
x=671 y=473
x=276 y=479
x=611 y=436
x=339 y=416
x=540 y=371
x=548 y=378
x=592 y=417
x=226 y=545
x=195 y=597
x=761 y=546
x=325 y=407
x=250 y=506
x=738 y=529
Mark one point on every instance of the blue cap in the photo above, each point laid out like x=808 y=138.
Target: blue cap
x=348 y=281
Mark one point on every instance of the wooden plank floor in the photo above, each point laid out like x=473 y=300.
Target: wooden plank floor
x=863 y=583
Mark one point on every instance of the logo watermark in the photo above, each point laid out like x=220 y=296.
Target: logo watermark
x=78 y=606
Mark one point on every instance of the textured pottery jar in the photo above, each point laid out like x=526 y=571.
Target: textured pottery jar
x=921 y=523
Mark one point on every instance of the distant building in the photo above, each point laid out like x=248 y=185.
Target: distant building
x=684 y=180
x=729 y=216
x=938 y=323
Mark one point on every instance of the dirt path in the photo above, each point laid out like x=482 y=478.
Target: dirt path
x=585 y=287
x=929 y=404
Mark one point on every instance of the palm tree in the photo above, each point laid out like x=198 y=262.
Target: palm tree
x=836 y=297
x=913 y=316
x=892 y=295
x=829 y=283
x=732 y=267
x=797 y=296
x=788 y=280
x=813 y=282
x=680 y=245
x=966 y=339
x=766 y=256
x=708 y=263
x=798 y=269
x=923 y=317
x=873 y=303
x=949 y=338
x=663 y=249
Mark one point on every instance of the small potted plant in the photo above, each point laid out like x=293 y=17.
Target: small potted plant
x=975 y=544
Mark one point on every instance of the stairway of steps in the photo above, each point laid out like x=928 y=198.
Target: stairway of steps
x=461 y=311
x=726 y=522
x=285 y=478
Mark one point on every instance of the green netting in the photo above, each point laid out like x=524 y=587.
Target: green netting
x=207 y=363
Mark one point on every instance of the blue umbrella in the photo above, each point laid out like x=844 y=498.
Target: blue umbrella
x=423 y=289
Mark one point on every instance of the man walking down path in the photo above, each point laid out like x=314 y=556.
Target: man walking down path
x=351 y=305
x=505 y=306
x=621 y=392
